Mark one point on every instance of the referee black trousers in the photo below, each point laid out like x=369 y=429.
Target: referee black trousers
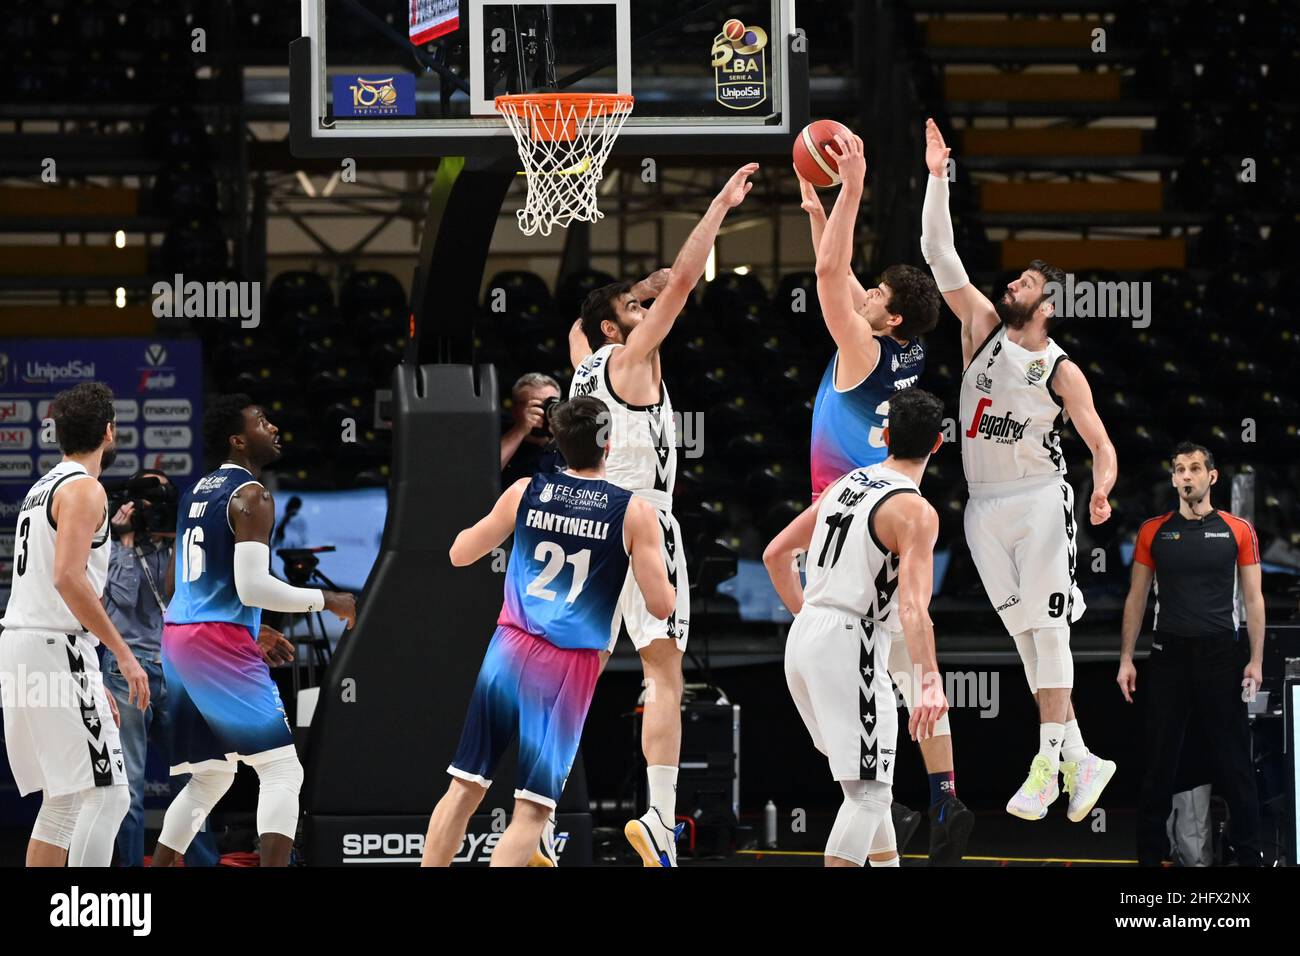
x=1201 y=673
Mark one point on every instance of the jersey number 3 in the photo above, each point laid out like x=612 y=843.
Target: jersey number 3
x=24 y=527
x=555 y=559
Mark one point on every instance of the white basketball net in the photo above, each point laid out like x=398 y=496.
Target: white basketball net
x=563 y=142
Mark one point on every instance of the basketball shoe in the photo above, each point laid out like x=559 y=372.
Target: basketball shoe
x=1037 y=793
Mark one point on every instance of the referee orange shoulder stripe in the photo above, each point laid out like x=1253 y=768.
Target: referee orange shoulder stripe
x=1244 y=533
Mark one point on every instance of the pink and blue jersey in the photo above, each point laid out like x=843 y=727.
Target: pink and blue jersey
x=221 y=700
x=205 y=555
x=567 y=569
x=848 y=424
x=569 y=562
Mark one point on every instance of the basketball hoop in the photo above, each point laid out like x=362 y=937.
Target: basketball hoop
x=563 y=140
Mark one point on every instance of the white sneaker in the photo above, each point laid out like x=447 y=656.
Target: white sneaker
x=1037 y=793
x=654 y=841
x=545 y=854
x=1084 y=781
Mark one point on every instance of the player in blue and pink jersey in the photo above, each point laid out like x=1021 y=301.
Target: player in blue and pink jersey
x=877 y=346
x=575 y=537
x=878 y=353
x=223 y=703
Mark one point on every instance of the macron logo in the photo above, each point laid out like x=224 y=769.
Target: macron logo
x=73 y=909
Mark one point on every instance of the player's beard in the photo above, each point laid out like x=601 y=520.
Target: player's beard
x=1013 y=315
x=108 y=456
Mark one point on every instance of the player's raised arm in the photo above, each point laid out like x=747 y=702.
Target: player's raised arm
x=687 y=269
x=811 y=204
x=78 y=510
x=490 y=530
x=1072 y=388
x=910 y=526
x=653 y=284
x=645 y=550
x=579 y=347
x=781 y=555
x=972 y=307
x=852 y=334
x=252 y=516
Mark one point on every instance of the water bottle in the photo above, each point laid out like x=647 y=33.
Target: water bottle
x=769 y=825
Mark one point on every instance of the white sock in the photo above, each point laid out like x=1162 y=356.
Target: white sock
x=1050 y=737
x=893 y=862
x=663 y=792
x=1073 y=748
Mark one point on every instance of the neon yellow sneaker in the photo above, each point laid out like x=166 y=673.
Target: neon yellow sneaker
x=1084 y=782
x=1037 y=793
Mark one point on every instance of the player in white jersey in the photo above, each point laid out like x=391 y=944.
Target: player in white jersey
x=1017 y=387
x=869 y=555
x=60 y=724
x=614 y=346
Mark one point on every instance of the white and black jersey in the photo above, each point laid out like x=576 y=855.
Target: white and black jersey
x=643 y=438
x=847 y=568
x=838 y=650
x=1010 y=417
x=34 y=604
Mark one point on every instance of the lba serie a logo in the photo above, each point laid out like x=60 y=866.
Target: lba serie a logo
x=740 y=65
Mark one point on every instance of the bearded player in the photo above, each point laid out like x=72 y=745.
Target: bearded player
x=615 y=350
x=1017 y=388
x=65 y=742
x=878 y=351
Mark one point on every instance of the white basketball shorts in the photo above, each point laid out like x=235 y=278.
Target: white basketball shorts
x=1023 y=545
x=837 y=669
x=59 y=730
x=642 y=626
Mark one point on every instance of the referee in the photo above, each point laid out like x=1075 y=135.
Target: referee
x=1198 y=557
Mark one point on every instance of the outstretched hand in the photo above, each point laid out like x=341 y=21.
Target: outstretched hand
x=811 y=203
x=936 y=150
x=737 y=188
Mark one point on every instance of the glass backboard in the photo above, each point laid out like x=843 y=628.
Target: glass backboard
x=402 y=77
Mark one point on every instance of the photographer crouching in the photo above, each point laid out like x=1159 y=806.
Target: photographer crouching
x=141 y=579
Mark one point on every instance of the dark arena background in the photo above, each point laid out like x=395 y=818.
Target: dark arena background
x=316 y=204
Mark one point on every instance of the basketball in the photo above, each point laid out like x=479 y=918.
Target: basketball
x=812 y=157
x=733 y=30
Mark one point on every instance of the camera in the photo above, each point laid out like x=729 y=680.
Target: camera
x=544 y=430
x=155 y=505
x=300 y=563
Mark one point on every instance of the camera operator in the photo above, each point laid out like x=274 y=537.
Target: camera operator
x=527 y=446
x=141 y=579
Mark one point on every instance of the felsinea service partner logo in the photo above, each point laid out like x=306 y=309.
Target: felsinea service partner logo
x=740 y=66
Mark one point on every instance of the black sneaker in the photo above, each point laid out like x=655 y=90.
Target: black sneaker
x=950 y=826
x=906 y=823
